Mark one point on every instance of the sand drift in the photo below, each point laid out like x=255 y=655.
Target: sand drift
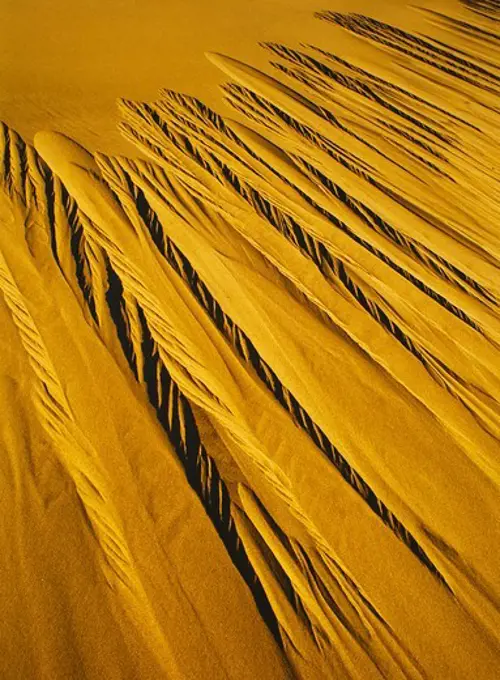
x=250 y=382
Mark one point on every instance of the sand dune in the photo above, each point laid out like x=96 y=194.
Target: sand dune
x=250 y=372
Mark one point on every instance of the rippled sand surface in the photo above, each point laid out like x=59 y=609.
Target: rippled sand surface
x=249 y=346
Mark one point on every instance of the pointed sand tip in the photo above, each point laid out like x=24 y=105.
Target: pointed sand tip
x=58 y=149
x=216 y=58
x=224 y=62
x=245 y=129
x=253 y=137
x=212 y=55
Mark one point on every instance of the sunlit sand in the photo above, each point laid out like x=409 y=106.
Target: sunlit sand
x=249 y=373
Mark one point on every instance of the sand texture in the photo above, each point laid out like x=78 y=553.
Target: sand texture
x=250 y=366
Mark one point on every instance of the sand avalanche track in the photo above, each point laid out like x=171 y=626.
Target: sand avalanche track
x=250 y=383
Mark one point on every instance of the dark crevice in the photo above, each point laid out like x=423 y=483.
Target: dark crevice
x=401 y=41
x=177 y=419
x=6 y=156
x=249 y=354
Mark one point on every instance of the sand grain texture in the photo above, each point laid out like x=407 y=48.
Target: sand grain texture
x=250 y=370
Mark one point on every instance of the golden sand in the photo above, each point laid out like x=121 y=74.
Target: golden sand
x=249 y=375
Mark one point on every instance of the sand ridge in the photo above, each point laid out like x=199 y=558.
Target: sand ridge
x=258 y=369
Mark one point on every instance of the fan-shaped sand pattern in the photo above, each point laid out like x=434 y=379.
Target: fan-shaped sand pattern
x=258 y=369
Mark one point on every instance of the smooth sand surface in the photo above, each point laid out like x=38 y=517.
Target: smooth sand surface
x=64 y=64
x=249 y=345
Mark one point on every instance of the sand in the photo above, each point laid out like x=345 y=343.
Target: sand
x=249 y=374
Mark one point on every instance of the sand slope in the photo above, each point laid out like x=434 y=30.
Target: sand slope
x=250 y=376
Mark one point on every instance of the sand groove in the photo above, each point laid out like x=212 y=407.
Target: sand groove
x=273 y=342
